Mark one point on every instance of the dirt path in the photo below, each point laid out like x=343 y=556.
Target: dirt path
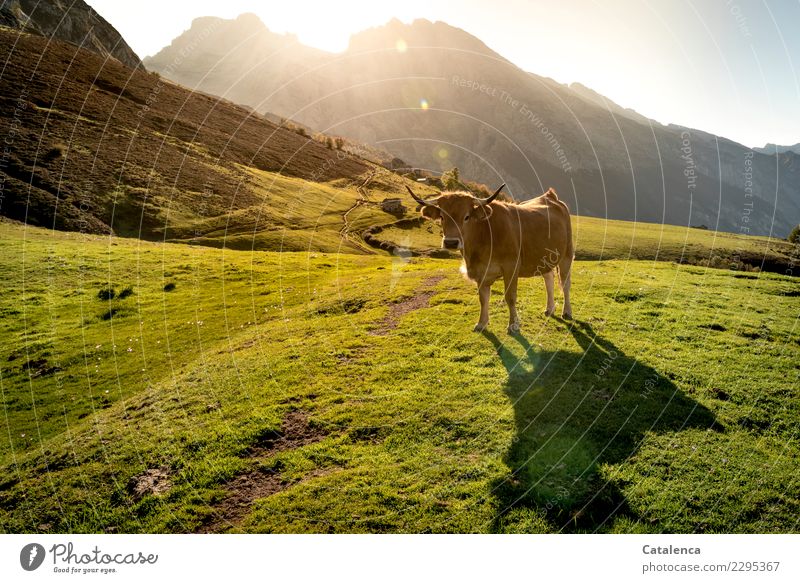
x=258 y=483
x=364 y=194
x=419 y=300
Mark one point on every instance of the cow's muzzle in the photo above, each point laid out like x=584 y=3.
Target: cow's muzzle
x=451 y=243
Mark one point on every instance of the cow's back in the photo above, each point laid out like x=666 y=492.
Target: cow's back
x=534 y=235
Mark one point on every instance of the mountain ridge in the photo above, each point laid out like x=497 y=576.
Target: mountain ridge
x=421 y=92
x=71 y=21
x=775 y=148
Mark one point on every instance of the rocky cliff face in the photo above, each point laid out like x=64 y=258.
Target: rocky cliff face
x=72 y=21
x=775 y=148
x=438 y=97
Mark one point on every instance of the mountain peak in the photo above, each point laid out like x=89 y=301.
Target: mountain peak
x=71 y=21
x=250 y=20
x=778 y=149
x=420 y=33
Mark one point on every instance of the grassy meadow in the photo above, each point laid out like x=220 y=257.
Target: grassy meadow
x=221 y=390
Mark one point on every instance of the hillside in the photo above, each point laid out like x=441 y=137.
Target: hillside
x=71 y=21
x=97 y=147
x=220 y=390
x=438 y=97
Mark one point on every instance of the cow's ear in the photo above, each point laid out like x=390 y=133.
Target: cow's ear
x=482 y=211
x=431 y=212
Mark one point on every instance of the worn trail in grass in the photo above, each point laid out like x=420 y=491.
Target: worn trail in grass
x=298 y=392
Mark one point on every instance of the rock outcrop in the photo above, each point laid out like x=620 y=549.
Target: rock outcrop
x=72 y=21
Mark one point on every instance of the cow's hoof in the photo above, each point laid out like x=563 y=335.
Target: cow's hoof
x=566 y=315
x=479 y=327
x=549 y=312
x=513 y=328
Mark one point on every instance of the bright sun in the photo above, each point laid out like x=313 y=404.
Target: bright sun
x=329 y=31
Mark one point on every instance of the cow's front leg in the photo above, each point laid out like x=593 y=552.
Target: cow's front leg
x=484 y=291
x=551 y=301
x=511 y=301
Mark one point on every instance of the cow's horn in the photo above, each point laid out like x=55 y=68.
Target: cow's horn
x=418 y=199
x=494 y=196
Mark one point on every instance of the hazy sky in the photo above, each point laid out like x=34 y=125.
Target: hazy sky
x=730 y=67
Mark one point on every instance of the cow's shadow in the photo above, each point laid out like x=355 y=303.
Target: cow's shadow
x=575 y=410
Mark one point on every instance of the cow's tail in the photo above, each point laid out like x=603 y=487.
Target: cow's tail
x=570 y=251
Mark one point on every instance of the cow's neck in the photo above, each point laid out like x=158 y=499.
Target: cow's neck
x=478 y=239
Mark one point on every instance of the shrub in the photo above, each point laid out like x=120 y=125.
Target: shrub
x=55 y=152
x=109 y=314
x=106 y=294
x=451 y=180
x=794 y=236
x=169 y=287
x=128 y=291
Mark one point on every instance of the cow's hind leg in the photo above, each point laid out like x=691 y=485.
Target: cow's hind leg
x=551 y=301
x=565 y=277
x=511 y=300
x=484 y=291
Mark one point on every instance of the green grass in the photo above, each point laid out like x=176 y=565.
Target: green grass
x=291 y=215
x=669 y=405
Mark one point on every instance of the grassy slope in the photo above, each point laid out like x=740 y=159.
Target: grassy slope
x=669 y=405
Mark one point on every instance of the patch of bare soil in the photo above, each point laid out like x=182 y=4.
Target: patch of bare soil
x=419 y=300
x=40 y=368
x=258 y=483
x=154 y=481
x=295 y=431
x=243 y=490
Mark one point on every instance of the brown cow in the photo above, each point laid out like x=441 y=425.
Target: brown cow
x=499 y=239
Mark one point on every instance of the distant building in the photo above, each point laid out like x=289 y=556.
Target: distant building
x=393 y=206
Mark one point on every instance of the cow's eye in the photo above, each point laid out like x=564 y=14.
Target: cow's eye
x=466 y=218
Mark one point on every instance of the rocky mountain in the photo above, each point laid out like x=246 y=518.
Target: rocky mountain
x=775 y=148
x=437 y=96
x=71 y=21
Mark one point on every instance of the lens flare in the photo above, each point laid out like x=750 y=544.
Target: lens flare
x=401 y=46
x=423 y=104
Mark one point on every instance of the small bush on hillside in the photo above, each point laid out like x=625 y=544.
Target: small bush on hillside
x=106 y=294
x=109 y=314
x=293 y=127
x=55 y=152
x=128 y=291
x=169 y=287
x=451 y=180
x=794 y=236
x=718 y=262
